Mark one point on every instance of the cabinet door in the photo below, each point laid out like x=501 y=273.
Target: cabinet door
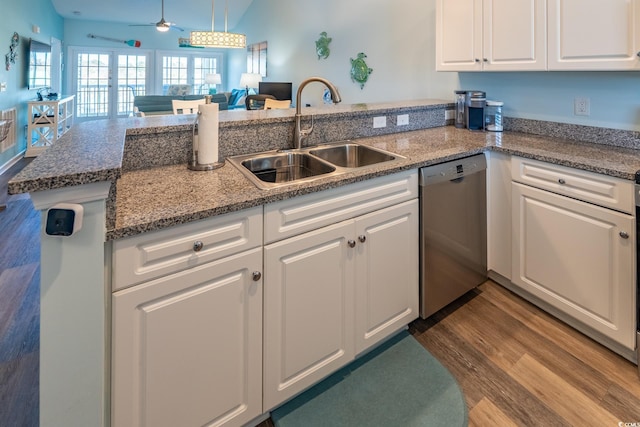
x=308 y=310
x=386 y=272
x=577 y=257
x=515 y=35
x=458 y=35
x=187 y=348
x=594 y=34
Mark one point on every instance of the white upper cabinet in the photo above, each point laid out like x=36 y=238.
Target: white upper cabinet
x=594 y=34
x=490 y=35
x=537 y=35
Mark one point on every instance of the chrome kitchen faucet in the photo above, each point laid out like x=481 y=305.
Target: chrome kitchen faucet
x=301 y=134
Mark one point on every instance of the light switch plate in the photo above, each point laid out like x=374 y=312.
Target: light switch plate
x=3 y=86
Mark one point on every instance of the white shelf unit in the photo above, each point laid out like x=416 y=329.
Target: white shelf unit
x=48 y=121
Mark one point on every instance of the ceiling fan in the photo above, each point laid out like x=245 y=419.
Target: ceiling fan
x=161 y=25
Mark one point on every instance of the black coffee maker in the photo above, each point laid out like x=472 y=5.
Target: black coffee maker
x=474 y=109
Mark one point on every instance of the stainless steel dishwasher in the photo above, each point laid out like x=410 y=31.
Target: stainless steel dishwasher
x=453 y=231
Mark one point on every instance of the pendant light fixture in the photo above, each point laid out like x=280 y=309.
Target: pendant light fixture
x=216 y=38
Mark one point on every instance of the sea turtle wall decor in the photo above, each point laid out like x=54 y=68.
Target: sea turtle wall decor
x=322 y=46
x=360 y=70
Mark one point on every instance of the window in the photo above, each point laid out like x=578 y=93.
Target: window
x=93 y=81
x=202 y=67
x=188 y=70
x=132 y=77
x=257 y=58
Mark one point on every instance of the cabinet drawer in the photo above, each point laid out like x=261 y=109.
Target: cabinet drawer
x=603 y=190
x=158 y=253
x=294 y=216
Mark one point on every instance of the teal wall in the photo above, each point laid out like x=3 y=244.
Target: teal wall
x=614 y=96
x=19 y=17
x=397 y=36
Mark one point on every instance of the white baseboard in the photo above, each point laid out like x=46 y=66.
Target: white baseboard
x=15 y=159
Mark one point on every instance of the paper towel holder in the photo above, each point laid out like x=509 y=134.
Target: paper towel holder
x=193 y=164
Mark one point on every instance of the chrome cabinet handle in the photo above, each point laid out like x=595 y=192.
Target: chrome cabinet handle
x=362 y=238
x=485 y=59
x=197 y=246
x=351 y=243
x=477 y=60
x=624 y=234
x=562 y=181
x=256 y=276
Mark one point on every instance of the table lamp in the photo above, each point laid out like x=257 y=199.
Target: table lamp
x=250 y=80
x=212 y=79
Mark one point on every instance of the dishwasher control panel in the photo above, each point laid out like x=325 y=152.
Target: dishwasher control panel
x=453 y=169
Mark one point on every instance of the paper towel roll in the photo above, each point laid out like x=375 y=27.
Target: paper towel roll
x=208 y=133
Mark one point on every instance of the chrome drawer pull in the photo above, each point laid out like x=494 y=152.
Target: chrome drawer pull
x=197 y=246
x=562 y=181
x=624 y=234
x=256 y=276
x=362 y=238
x=351 y=243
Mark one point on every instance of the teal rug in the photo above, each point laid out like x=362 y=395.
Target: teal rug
x=398 y=384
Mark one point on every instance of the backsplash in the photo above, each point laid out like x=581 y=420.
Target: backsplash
x=596 y=135
x=171 y=144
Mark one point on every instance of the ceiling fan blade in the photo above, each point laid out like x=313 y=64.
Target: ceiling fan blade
x=161 y=25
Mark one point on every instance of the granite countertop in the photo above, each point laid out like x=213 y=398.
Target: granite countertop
x=161 y=197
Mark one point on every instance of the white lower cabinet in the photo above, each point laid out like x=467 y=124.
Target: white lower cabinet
x=334 y=292
x=577 y=257
x=187 y=324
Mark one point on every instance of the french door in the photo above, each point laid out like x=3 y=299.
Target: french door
x=106 y=81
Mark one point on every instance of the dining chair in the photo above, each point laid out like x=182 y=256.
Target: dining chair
x=275 y=104
x=256 y=102
x=186 y=107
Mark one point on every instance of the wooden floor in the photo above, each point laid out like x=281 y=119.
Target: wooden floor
x=19 y=308
x=515 y=364
x=519 y=366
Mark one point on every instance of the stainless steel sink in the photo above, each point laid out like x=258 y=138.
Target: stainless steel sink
x=274 y=169
x=351 y=155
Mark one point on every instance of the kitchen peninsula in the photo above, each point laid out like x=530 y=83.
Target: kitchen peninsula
x=131 y=177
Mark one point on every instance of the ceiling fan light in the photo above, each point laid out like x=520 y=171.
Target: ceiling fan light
x=162 y=28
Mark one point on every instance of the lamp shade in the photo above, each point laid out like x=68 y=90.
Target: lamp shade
x=250 y=80
x=212 y=79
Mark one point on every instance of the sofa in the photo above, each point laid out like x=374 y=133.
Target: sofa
x=154 y=105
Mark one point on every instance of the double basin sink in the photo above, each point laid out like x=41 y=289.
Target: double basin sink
x=275 y=169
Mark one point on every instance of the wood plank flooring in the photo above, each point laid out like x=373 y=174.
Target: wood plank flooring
x=19 y=307
x=516 y=365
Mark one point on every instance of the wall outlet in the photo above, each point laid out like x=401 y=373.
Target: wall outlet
x=449 y=114
x=402 y=120
x=379 y=122
x=581 y=106
x=3 y=86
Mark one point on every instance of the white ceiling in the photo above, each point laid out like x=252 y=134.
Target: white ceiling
x=191 y=14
